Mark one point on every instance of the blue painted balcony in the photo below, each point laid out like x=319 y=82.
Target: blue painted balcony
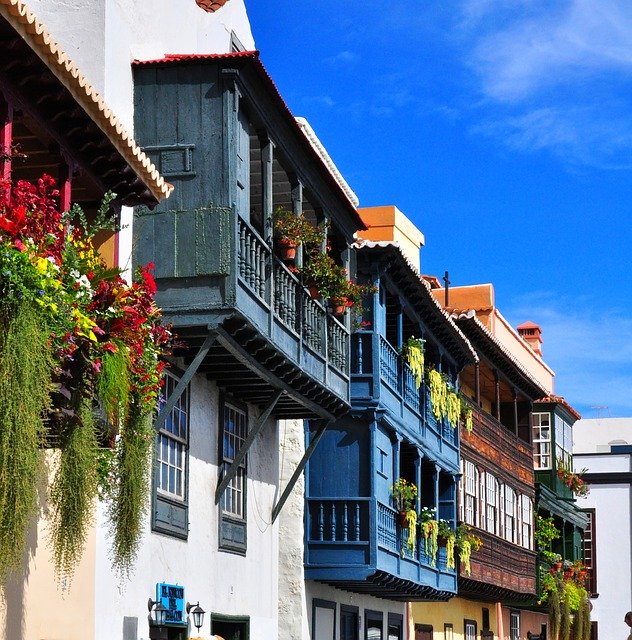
x=213 y=270
x=380 y=377
x=358 y=544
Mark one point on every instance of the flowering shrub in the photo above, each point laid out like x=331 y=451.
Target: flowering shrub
x=572 y=480
x=103 y=341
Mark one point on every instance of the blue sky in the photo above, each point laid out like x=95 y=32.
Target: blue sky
x=503 y=129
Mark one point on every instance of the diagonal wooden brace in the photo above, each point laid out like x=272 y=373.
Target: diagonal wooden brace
x=299 y=469
x=184 y=381
x=243 y=450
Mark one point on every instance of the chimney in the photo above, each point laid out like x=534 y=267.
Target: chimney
x=531 y=333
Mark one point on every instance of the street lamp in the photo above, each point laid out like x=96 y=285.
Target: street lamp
x=197 y=613
x=160 y=611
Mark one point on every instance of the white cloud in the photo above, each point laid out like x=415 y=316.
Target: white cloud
x=343 y=57
x=553 y=74
x=323 y=101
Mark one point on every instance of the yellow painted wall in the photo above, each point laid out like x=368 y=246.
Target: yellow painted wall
x=34 y=606
x=454 y=612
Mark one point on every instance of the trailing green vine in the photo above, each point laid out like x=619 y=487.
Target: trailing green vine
x=453 y=406
x=73 y=491
x=131 y=486
x=413 y=352
x=438 y=394
x=25 y=375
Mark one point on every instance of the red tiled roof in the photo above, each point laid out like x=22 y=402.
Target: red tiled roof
x=210 y=5
x=559 y=400
x=528 y=325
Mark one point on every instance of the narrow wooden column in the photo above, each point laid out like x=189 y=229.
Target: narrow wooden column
x=6 y=138
x=65 y=186
x=515 y=410
x=267 y=158
x=497 y=381
x=477 y=382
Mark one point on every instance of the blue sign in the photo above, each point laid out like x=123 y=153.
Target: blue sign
x=172 y=598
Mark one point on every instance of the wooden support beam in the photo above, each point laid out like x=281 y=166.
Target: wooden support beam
x=229 y=343
x=6 y=138
x=299 y=469
x=184 y=381
x=243 y=450
x=65 y=186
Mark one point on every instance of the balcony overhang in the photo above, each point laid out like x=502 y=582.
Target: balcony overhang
x=477 y=590
x=249 y=367
x=385 y=585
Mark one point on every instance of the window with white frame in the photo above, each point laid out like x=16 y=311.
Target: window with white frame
x=563 y=440
x=491 y=503
x=470 y=630
x=514 y=625
x=470 y=492
x=510 y=514
x=526 y=522
x=541 y=427
x=172 y=443
x=169 y=498
x=235 y=430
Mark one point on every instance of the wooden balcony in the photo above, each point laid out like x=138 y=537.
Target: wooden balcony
x=493 y=446
x=356 y=544
x=217 y=276
x=380 y=377
x=500 y=570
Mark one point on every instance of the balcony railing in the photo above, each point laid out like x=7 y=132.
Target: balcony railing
x=340 y=534
x=389 y=379
x=291 y=302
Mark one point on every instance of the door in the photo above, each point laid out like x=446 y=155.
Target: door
x=348 y=623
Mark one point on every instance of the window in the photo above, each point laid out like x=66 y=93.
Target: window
x=491 y=506
x=510 y=514
x=514 y=625
x=526 y=524
x=541 y=424
x=471 y=480
x=323 y=619
x=590 y=549
x=169 y=504
x=374 y=622
x=233 y=433
x=349 y=622
x=395 y=626
x=469 y=627
x=448 y=632
x=563 y=440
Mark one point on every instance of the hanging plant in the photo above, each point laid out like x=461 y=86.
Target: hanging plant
x=412 y=352
x=430 y=530
x=74 y=337
x=26 y=369
x=453 y=409
x=438 y=394
x=73 y=491
x=466 y=415
x=411 y=517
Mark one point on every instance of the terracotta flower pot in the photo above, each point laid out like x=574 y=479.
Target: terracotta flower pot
x=312 y=288
x=286 y=248
x=339 y=306
x=403 y=519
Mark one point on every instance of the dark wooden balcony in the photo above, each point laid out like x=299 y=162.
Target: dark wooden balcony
x=500 y=570
x=380 y=378
x=356 y=544
x=495 y=447
x=216 y=275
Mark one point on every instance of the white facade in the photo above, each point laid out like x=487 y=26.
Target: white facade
x=224 y=583
x=609 y=474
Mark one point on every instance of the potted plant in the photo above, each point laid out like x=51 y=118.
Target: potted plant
x=404 y=495
x=291 y=229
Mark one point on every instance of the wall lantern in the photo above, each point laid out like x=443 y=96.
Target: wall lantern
x=160 y=611
x=197 y=613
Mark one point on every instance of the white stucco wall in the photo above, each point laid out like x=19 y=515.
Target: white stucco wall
x=224 y=583
x=613 y=517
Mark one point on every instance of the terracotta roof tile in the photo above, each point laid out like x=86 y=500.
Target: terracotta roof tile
x=559 y=400
x=24 y=21
x=210 y=5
